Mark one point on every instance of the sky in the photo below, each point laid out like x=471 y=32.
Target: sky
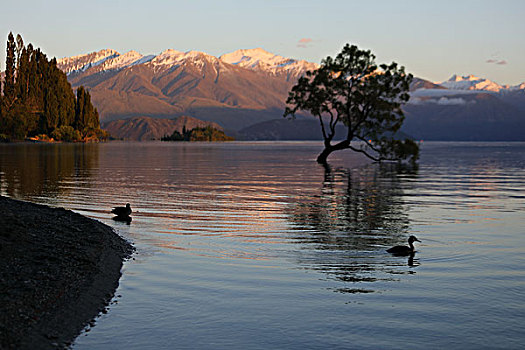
x=432 y=39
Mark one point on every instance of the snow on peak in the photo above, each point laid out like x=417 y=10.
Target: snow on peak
x=470 y=82
x=515 y=87
x=170 y=52
x=251 y=57
x=102 y=60
x=83 y=62
x=518 y=87
x=92 y=56
x=470 y=77
x=167 y=58
x=262 y=60
x=256 y=59
x=170 y=58
x=194 y=53
x=128 y=59
x=198 y=55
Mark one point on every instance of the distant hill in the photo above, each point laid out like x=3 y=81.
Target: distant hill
x=418 y=83
x=286 y=129
x=147 y=128
x=474 y=116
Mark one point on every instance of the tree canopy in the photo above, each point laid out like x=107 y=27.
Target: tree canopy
x=367 y=98
x=208 y=133
x=38 y=100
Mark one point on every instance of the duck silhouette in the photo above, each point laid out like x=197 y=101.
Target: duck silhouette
x=403 y=249
x=122 y=211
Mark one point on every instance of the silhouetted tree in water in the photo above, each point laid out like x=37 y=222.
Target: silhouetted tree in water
x=367 y=98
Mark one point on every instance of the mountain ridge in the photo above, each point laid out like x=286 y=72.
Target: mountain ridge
x=174 y=83
x=249 y=87
x=254 y=59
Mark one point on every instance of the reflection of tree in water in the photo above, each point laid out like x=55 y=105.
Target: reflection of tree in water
x=358 y=213
x=28 y=170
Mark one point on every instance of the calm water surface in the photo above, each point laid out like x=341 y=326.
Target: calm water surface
x=255 y=246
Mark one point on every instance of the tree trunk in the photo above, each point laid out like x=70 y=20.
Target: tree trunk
x=322 y=158
x=328 y=149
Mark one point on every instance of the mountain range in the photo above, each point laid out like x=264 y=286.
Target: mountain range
x=245 y=93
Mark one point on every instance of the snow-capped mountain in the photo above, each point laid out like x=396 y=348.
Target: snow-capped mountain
x=102 y=60
x=465 y=108
x=83 y=62
x=252 y=59
x=258 y=60
x=516 y=87
x=167 y=58
x=128 y=59
x=247 y=89
x=262 y=60
x=471 y=82
x=457 y=89
x=170 y=58
x=194 y=83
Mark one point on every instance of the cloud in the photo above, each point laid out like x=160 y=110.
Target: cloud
x=443 y=101
x=451 y=101
x=304 y=42
x=494 y=61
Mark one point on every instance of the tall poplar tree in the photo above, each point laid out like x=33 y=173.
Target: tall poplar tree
x=38 y=99
x=19 y=48
x=86 y=116
x=10 y=65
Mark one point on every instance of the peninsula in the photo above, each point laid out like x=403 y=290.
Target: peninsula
x=59 y=271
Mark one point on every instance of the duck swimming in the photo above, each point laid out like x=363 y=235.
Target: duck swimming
x=403 y=249
x=122 y=211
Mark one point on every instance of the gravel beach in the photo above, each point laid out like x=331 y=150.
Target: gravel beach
x=58 y=271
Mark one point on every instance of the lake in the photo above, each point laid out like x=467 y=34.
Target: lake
x=255 y=246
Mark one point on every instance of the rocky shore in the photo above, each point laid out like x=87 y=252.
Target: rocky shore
x=58 y=270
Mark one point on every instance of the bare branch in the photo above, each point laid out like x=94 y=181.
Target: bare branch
x=331 y=120
x=369 y=144
x=323 y=129
x=333 y=123
x=365 y=153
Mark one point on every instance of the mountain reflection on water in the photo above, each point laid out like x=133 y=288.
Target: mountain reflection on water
x=357 y=213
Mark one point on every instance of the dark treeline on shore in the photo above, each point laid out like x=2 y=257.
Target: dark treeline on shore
x=198 y=134
x=37 y=100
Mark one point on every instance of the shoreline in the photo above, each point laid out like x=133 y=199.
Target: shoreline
x=59 y=270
